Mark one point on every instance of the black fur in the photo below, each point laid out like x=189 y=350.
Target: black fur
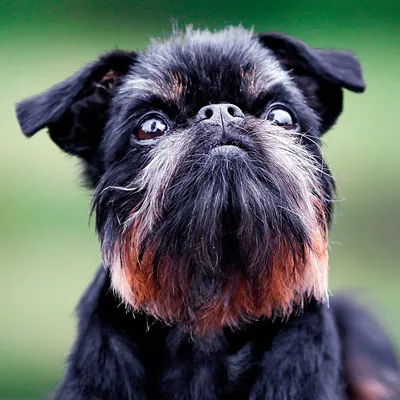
x=183 y=222
x=117 y=356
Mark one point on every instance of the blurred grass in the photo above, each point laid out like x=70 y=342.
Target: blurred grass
x=48 y=248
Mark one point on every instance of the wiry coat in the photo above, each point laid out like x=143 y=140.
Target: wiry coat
x=214 y=230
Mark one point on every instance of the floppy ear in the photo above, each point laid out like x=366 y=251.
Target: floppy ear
x=321 y=74
x=75 y=110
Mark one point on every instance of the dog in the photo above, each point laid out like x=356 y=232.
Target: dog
x=213 y=204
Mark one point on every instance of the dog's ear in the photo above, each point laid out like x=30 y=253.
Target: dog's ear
x=75 y=110
x=321 y=74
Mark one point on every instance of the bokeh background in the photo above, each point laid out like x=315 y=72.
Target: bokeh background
x=48 y=249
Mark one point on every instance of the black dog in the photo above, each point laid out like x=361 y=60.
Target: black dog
x=212 y=204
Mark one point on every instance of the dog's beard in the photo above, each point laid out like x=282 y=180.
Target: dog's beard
x=221 y=238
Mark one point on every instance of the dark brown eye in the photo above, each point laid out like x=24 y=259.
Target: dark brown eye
x=151 y=128
x=282 y=117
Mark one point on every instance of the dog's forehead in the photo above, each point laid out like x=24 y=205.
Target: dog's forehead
x=215 y=66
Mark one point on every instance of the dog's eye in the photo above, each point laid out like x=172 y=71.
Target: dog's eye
x=151 y=128
x=282 y=117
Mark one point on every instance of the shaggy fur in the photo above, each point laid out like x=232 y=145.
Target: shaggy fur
x=213 y=216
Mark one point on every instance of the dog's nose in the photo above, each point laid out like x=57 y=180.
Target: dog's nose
x=220 y=114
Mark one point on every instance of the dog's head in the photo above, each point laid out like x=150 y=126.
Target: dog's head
x=212 y=198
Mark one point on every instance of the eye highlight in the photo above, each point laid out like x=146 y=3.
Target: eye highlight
x=151 y=127
x=281 y=116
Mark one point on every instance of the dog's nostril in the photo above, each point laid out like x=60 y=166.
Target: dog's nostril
x=209 y=113
x=233 y=111
x=218 y=114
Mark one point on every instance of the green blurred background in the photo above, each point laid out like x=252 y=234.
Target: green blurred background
x=48 y=249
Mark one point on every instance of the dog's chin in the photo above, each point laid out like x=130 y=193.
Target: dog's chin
x=242 y=283
x=227 y=239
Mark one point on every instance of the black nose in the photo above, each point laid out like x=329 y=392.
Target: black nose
x=220 y=114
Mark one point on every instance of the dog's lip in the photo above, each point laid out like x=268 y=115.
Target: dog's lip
x=231 y=143
x=227 y=149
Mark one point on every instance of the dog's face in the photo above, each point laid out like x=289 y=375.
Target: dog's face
x=212 y=198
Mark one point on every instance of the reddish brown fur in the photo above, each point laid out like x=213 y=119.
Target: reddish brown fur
x=249 y=76
x=109 y=80
x=177 y=87
x=285 y=283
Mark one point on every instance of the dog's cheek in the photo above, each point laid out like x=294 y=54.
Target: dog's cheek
x=296 y=272
x=315 y=277
x=159 y=291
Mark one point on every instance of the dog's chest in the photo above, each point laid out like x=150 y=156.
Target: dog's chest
x=199 y=374
x=261 y=363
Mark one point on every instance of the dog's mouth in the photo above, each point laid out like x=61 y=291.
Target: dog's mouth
x=227 y=150
x=228 y=147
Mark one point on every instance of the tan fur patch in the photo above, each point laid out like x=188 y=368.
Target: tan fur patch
x=280 y=287
x=108 y=80
x=177 y=87
x=253 y=88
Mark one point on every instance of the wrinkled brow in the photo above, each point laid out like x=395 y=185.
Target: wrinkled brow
x=178 y=93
